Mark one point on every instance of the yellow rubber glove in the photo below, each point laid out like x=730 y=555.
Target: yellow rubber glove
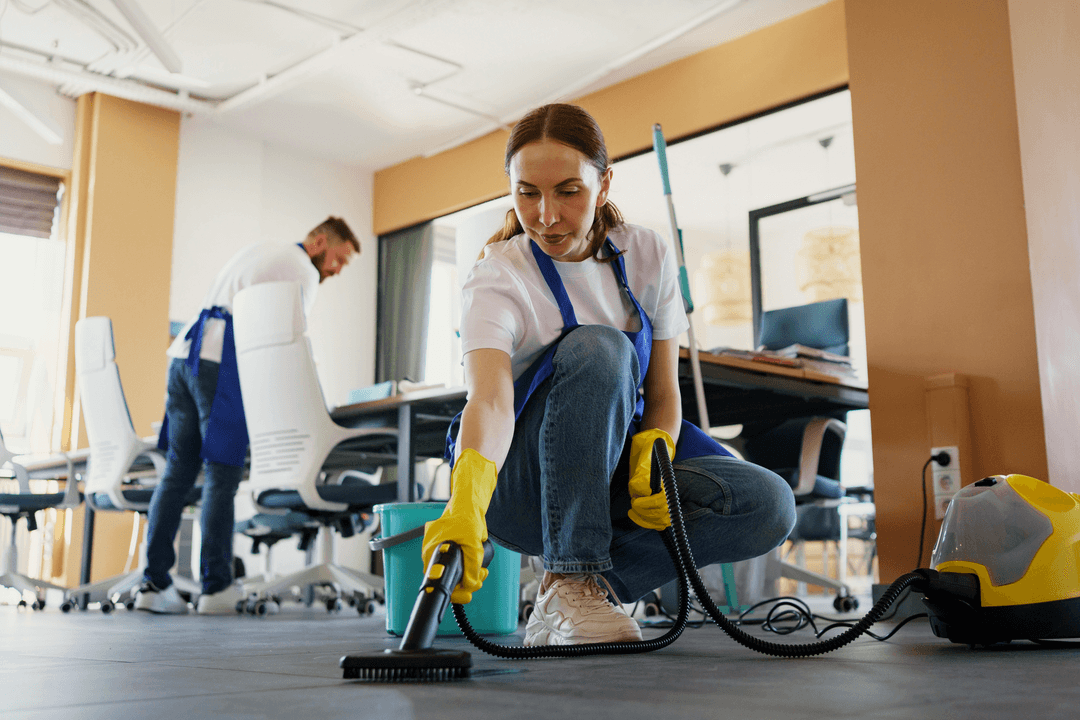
x=647 y=509
x=471 y=486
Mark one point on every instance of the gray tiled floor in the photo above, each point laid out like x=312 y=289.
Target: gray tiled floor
x=132 y=665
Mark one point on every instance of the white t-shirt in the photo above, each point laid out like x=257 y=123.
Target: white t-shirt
x=254 y=264
x=506 y=304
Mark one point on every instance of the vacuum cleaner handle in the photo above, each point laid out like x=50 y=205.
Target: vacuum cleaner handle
x=443 y=575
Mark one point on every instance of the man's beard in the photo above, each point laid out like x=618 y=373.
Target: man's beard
x=318 y=261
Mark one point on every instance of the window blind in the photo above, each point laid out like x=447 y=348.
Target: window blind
x=28 y=202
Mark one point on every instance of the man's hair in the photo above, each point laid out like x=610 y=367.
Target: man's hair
x=336 y=228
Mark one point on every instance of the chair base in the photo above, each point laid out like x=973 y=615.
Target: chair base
x=25 y=584
x=344 y=580
x=121 y=588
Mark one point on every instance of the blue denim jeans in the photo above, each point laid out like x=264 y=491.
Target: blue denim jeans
x=562 y=492
x=188 y=411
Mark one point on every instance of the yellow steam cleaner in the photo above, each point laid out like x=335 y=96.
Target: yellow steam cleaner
x=1007 y=564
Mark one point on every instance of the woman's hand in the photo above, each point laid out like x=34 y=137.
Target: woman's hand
x=471 y=486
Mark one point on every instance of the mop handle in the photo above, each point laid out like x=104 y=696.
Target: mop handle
x=684 y=282
x=661 y=155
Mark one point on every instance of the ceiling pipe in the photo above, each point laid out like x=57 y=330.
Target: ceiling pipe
x=150 y=35
x=87 y=82
x=326 y=58
x=570 y=91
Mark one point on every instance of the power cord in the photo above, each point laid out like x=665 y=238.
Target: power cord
x=942 y=458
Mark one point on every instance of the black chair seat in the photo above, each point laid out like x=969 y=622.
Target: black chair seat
x=102 y=501
x=30 y=502
x=355 y=495
x=267 y=525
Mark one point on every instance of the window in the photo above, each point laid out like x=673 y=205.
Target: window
x=31 y=298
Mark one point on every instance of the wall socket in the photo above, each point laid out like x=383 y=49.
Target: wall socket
x=946 y=478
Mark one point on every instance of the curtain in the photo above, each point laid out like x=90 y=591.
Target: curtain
x=28 y=202
x=405 y=259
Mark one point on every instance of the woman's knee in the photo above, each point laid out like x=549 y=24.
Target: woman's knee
x=602 y=350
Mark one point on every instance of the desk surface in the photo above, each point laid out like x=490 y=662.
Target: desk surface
x=739 y=391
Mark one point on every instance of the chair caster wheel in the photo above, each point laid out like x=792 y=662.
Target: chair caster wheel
x=845 y=603
x=266 y=607
x=129 y=605
x=651 y=610
x=526 y=610
x=38 y=605
x=67 y=606
x=333 y=604
x=107 y=607
x=365 y=608
x=22 y=604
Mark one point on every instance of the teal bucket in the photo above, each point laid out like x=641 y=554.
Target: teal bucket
x=494 y=608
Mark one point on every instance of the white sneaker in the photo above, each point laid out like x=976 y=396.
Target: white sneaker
x=576 y=610
x=161 y=602
x=223 y=602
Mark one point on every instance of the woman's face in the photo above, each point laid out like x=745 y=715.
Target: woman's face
x=556 y=192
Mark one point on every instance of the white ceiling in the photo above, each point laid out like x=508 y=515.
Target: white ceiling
x=365 y=82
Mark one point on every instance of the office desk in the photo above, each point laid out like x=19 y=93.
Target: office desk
x=739 y=391
x=421 y=417
x=736 y=391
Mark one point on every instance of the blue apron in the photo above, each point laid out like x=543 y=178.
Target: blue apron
x=692 y=441
x=226 y=437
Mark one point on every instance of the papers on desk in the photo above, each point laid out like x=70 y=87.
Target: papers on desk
x=799 y=357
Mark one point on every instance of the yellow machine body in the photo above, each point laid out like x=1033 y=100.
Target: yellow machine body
x=1019 y=538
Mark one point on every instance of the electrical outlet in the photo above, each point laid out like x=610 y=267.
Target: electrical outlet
x=946 y=483
x=954 y=458
x=941 y=504
x=947 y=475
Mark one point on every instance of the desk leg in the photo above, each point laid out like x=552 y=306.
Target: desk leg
x=406 y=464
x=87 y=551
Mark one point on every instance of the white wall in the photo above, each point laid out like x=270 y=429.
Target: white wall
x=233 y=190
x=1046 y=71
x=19 y=142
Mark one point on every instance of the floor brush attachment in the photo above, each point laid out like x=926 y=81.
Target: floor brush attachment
x=414 y=660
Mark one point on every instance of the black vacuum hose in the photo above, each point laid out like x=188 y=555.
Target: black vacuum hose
x=679 y=548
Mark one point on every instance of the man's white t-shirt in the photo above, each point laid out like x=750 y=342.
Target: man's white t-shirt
x=254 y=264
x=506 y=304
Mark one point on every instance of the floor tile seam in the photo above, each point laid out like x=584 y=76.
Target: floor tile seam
x=173 y=664
x=179 y=696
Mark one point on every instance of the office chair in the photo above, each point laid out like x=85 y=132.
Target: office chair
x=806 y=451
x=301 y=460
x=25 y=504
x=122 y=466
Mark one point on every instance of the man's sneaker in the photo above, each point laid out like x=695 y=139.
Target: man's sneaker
x=576 y=610
x=163 y=602
x=223 y=602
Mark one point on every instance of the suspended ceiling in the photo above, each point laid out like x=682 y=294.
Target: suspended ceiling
x=365 y=82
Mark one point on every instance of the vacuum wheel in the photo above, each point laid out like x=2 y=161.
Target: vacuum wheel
x=845 y=603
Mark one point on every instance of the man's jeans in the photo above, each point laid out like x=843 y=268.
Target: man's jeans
x=188 y=411
x=558 y=495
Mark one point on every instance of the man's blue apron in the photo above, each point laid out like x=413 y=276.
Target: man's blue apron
x=226 y=437
x=692 y=441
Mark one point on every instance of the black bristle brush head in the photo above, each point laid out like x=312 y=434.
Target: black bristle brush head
x=392 y=666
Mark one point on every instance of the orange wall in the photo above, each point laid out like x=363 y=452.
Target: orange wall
x=124 y=190
x=946 y=279
x=1046 y=66
x=779 y=64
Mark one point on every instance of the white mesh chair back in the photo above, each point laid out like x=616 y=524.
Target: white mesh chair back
x=290 y=430
x=114 y=445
